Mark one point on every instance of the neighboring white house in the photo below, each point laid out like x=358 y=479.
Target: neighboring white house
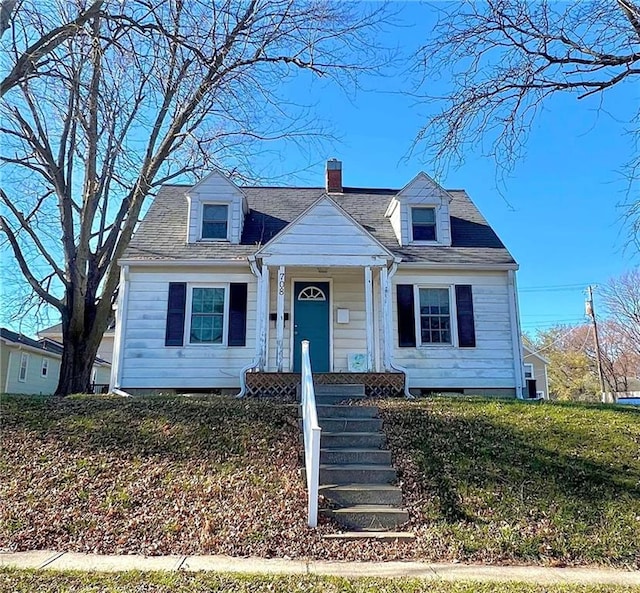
x=105 y=350
x=535 y=373
x=30 y=366
x=221 y=279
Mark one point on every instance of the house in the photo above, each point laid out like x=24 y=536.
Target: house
x=535 y=373
x=221 y=283
x=33 y=366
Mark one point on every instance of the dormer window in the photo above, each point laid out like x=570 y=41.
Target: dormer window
x=423 y=224
x=215 y=221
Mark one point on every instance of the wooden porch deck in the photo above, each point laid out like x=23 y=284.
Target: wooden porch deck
x=283 y=385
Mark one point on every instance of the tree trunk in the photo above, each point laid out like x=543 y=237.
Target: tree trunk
x=80 y=350
x=75 y=368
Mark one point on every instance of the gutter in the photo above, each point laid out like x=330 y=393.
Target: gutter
x=471 y=266
x=155 y=263
x=259 y=315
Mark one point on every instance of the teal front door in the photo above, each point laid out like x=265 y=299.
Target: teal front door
x=311 y=322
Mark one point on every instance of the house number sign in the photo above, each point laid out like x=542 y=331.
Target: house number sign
x=281 y=282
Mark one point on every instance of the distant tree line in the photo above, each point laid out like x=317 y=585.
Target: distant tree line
x=571 y=351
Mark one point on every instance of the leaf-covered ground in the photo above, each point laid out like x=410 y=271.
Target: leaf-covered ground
x=484 y=481
x=27 y=581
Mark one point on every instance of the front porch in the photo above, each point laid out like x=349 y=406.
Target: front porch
x=284 y=385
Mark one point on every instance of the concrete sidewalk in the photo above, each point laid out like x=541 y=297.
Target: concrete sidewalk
x=47 y=559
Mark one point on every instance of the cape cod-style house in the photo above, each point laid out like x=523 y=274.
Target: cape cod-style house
x=410 y=289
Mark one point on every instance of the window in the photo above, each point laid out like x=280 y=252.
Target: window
x=435 y=316
x=312 y=293
x=214 y=221
x=528 y=371
x=423 y=224
x=212 y=314
x=430 y=315
x=207 y=316
x=24 y=362
x=45 y=367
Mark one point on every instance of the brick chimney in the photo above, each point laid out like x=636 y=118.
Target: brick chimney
x=334 y=176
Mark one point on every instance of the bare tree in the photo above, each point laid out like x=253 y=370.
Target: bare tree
x=504 y=58
x=28 y=60
x=144 y=92
x=621 y=304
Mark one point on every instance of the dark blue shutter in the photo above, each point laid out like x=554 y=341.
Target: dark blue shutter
x=174 y=334
x=237 y=314
x=406 y=316
x=466 y=325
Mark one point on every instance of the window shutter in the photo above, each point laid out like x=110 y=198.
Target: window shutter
x=176 y=304
x=406 y=316
x=237 y=314
x=466 y=325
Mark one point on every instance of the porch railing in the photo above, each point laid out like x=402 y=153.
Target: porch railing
x=311 y=431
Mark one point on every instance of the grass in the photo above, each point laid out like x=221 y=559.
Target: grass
x=172 y=475
x=26 y=581
x=484 y=481
x=511 y=481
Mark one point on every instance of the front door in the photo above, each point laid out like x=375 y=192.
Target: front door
x=311 y=322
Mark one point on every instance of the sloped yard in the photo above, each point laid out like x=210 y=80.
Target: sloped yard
x=484 y=481
x=498 y=481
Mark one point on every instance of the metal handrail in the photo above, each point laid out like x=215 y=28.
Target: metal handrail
x=311 y=431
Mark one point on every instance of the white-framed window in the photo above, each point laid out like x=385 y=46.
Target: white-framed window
x=424 y=224
x=24 y=365
x=215 y=222
x=207 y=307
x=44 y=369
x=435 y=321
x=528 y=371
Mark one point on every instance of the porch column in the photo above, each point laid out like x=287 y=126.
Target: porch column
x=280 y=288
x=263 y=296
x=385 y=318
x=368 y=309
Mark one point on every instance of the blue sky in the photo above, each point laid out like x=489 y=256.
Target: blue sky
x=558 y=211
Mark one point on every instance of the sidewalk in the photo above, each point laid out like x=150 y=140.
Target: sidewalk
x=48 y=559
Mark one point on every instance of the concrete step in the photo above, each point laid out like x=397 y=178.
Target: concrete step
x=381 y=536
x=345 y=411
x=356 y=474
x=331 y=400
x=369 y=517
x=347 y=495
x=350 y=424
x=354 y=455
x=340 y=440
x=346 y=389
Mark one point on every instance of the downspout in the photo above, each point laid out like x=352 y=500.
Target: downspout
x=121 y=329
x=259 y=321
x=389 y=348
x=516 y=336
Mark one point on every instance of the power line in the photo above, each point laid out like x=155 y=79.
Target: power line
x=541 y=287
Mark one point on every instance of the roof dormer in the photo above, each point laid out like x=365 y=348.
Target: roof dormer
x=419 y=213
x=217 y=208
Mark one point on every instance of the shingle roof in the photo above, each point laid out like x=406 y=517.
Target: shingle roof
x=162 y=233
x=44 y=345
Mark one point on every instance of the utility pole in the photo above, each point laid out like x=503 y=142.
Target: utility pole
x=591 y=312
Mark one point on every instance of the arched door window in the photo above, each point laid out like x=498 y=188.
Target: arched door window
x=312 y=293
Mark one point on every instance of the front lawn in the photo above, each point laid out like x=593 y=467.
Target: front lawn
x=484 y=481
x=27 y=581
x=152 y=475
x=498 y=481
